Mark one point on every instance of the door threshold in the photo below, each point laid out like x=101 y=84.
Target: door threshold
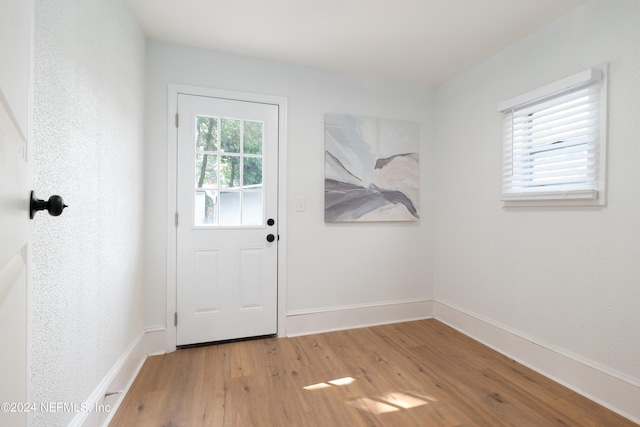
x=204 y=344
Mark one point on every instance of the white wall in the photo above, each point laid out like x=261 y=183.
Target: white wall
x=567 y=278
x=328 y=266
x=88 y=147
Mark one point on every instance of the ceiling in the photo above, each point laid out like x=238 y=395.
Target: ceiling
x=415 y=41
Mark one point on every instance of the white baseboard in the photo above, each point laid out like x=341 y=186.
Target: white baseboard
x=305 y=322
x=610 y=389
x=119 y=378
x=155 y=340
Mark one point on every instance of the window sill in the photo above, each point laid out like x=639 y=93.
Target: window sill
x=553 y=198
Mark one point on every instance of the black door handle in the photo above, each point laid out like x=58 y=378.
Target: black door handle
x=270 y=238
x=55 y=205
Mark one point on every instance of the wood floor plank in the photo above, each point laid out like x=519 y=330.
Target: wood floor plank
x=420 y=373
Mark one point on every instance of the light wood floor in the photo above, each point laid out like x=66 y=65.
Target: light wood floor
x=419 y=373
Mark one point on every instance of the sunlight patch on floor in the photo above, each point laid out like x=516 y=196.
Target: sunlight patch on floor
x=372 y=406
x=388 y=402
x=343 y=381
x=317 y=386
x=337 y=382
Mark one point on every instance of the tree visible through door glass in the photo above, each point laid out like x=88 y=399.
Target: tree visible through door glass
x=228 y=172
x=252 y=137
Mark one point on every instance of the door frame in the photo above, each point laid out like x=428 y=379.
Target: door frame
x=172 y=175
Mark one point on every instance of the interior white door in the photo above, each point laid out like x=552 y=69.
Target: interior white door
x=227 y=225
x=15 y=53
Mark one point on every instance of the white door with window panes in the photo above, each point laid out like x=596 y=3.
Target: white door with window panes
x=227 y=229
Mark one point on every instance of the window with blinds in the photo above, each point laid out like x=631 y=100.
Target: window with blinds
x=554 y=141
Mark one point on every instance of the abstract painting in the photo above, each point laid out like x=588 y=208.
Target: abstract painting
x=371 y=169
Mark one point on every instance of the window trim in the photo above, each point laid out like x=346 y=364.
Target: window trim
x=563 y=197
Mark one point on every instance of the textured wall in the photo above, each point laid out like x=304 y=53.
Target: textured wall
x=327 y=265
x=566 y=277
x=88 y=147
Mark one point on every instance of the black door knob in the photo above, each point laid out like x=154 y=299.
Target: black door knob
x=270 y=237
x=270 y=222
x=55 y=205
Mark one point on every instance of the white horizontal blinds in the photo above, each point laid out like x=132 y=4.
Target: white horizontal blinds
x=551 y=144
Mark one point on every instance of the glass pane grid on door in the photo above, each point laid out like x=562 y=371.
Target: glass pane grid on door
x=228 y=172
